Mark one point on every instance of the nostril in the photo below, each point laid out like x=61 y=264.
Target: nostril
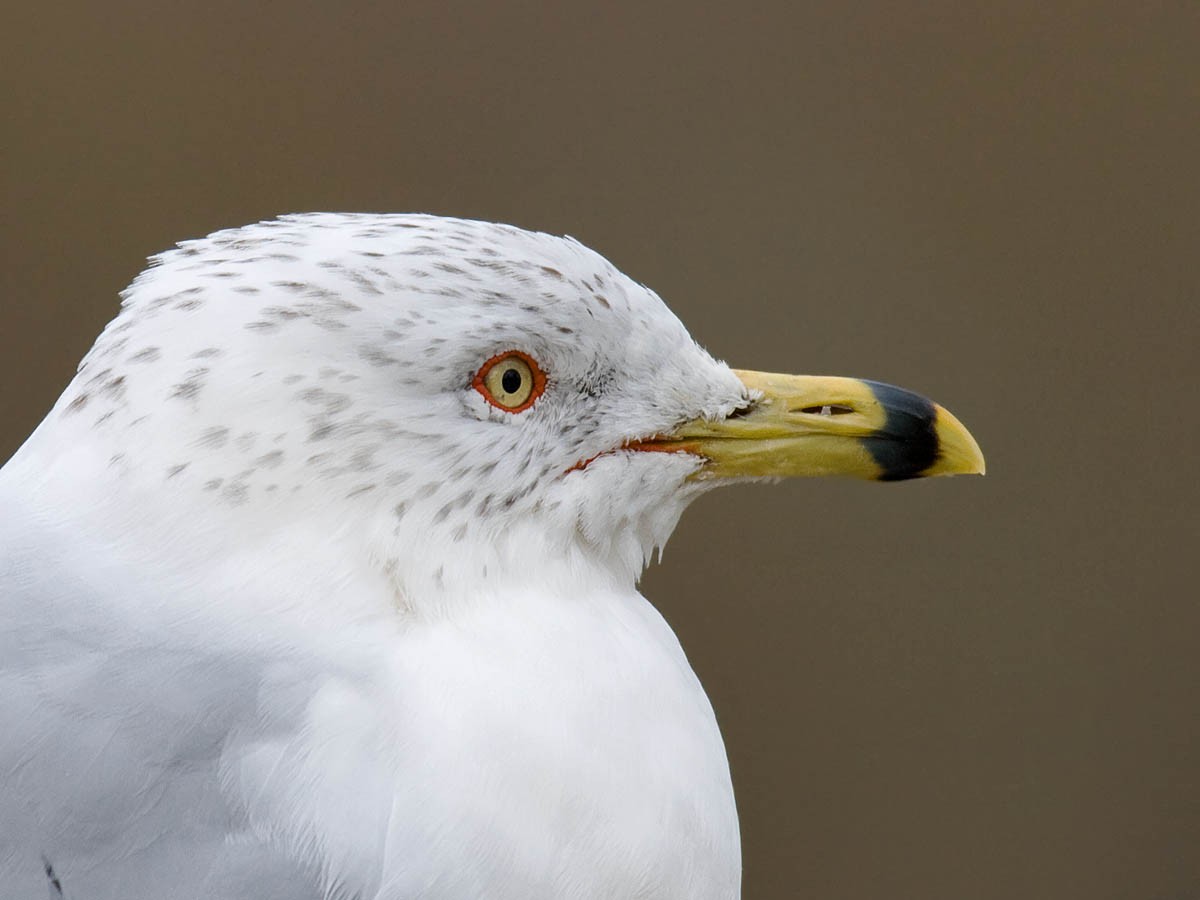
x=741 y=412
x=828 y=409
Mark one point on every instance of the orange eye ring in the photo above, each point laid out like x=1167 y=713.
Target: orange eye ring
x=511 y=381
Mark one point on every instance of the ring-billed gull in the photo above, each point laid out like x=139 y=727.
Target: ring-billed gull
x=320 y=578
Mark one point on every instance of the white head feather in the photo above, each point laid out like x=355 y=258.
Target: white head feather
x=321 y=365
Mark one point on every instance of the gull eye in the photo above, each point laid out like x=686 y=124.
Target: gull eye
x=510 y=381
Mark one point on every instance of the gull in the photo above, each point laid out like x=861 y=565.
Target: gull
x=320 y=578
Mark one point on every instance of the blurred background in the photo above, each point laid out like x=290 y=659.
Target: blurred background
x=981 y=688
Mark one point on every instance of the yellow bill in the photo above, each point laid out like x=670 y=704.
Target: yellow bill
x=821 y=425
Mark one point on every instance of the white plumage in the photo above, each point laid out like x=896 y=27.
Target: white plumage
x=302 y=597
x=289 y=610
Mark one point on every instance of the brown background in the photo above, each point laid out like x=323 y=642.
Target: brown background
x=969 y=688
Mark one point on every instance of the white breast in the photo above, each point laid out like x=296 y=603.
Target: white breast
x=531 y=746
x=536 y=747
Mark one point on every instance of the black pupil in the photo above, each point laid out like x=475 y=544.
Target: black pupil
x=511 y=381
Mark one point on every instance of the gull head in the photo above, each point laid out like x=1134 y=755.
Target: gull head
x=464 y=403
